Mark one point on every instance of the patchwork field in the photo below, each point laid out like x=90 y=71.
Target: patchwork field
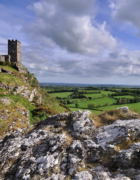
x=127 y=97
x=100 y=99
x=133 y=107
x=61 y=94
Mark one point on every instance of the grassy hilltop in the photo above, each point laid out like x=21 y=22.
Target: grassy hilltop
x=22 y=100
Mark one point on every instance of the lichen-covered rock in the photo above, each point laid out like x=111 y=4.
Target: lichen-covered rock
x=3 y=116
x=26 y=94
x=19 y=89
x=120 y=132
x=5 y=100
x=125 y=109
x=83 y=175
x=31 y=95
x=3 y=86
x=129 y=157
x=82 y=124
x=24 y=113
x=60 y=116
x=57 y=177
x=57 y=149
x=121 y=177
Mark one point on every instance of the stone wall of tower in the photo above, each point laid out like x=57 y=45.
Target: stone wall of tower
x=14 y=50
x=2 y=58
x=5 y=58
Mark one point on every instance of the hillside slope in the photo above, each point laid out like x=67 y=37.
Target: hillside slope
x=22 y=101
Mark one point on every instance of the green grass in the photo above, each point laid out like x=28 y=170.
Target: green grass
x=61 y=94
x=3 y=90
x=8 y=68
x=13 y=116
x=93 y=111
x=90 y=91
x=133 y=107
x=127 y=97
x=50 y=101
x=11 y=80
x=101 y=101
x=107 y=92
x=79 y=100
x=99 y=95
x=21 y=100
x=93 y=95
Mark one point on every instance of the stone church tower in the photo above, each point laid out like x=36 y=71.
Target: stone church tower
x=14 y=50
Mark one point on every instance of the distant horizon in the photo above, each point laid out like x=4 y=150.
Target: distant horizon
x=89 y=84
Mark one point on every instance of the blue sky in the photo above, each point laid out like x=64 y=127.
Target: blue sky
x=75 y=41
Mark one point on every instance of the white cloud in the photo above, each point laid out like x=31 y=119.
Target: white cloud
x=127 y=11
x=112 y=5
x=70 y=25
x=64 y=40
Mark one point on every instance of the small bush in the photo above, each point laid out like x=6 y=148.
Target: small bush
x=91 y=106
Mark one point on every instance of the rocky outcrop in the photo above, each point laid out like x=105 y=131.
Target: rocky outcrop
x=19 y=89
x=32 y=95
x=61 y=147
x=5 y=100
x=5 y=70
x=120 y=132
x=12 y=116
x=7 y=87
x=18 y=66
x=125 y=109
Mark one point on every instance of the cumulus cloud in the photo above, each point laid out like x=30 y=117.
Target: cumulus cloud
x=70 y=25
x=126 y=11
x=64 y=40
x=119 y=63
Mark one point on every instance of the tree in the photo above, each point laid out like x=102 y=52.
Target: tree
x=103 y=95
x=107 y=104
x=124 y=101
x=76 y=105
x=91 y=106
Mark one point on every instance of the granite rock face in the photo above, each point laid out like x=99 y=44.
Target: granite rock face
x=69 y=146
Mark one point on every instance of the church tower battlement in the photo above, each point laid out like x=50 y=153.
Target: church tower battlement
x=14 y=50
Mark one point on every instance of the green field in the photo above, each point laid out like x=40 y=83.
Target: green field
x=93 y=111
x=101 y=101
x=127 y=97
x=132 y=107
x=61 y=94
x=93 y=95
x=107 y=92
x=21 y=100
x=99 y=97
